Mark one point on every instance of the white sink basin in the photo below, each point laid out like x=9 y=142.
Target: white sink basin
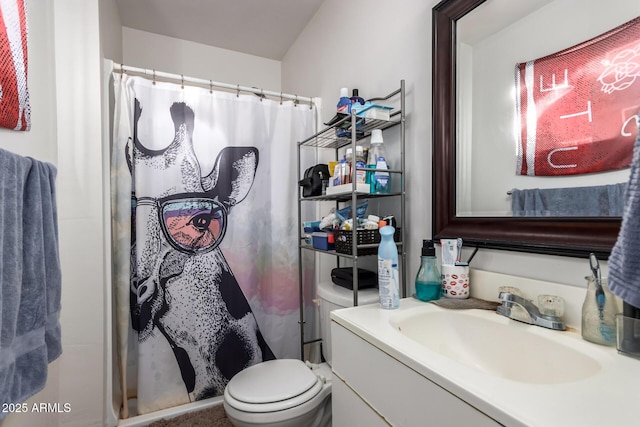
x=496 y=345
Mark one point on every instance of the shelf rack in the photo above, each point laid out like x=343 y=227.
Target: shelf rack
x=327 y=139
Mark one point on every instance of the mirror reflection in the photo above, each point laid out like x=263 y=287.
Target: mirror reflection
x=548 y=95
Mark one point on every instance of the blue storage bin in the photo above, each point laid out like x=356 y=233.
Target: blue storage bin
x=323 y=241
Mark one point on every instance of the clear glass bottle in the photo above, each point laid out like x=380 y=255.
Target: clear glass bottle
x=428 y=281
x=599 y=314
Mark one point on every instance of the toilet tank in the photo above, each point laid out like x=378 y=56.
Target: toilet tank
x=333 y=297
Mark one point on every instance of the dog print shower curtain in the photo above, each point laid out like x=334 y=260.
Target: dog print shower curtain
x=205 y=236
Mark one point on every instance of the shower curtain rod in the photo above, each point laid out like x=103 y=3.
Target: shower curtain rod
x=209 y=83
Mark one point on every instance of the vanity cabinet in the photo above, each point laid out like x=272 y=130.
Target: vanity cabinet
x=384 y=391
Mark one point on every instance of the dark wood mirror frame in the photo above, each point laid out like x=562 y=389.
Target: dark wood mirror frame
x=558 y=236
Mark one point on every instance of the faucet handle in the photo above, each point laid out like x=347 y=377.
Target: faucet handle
x=510 y=290
x=551 y=305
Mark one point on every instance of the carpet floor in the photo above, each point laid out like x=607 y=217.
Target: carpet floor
x=210 y=417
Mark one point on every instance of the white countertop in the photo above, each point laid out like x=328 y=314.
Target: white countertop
x=607 y=398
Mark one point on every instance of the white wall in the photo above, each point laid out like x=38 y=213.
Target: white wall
x=392 y=41
x=110 y=30
x=66 y=123
x=155 y=52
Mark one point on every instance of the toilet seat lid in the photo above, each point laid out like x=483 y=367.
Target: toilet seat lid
x=272 y=381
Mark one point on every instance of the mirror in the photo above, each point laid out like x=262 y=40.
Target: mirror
x=575 y=236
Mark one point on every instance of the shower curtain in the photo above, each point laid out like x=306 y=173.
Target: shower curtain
x=205 y=254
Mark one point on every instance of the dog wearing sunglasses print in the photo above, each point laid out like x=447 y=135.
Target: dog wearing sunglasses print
x=182 y=286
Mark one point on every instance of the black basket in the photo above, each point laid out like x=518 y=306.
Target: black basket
x=344 y=240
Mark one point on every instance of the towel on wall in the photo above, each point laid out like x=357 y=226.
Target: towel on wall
x=599 y=200
x=30 y=277
x=624 y=262
x=15 y=110
x=576 y=107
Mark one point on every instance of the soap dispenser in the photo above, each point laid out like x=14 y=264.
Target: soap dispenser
x=428 y=280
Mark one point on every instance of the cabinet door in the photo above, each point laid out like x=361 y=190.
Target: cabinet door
x=400 y=394
x=349 y=410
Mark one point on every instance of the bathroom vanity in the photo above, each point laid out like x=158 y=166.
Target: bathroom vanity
x=423 y=363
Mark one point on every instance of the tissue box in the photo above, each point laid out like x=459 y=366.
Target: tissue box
x=323 y=241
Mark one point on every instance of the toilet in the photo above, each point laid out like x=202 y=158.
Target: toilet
x=290 y=392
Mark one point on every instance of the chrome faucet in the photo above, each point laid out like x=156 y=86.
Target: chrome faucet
x=514 y=305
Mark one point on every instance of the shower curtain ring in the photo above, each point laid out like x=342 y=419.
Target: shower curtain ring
x=154 y=77
x=295 y=103
x=238 y=91
x=182 y=81
x=280 y=98
x=261 y=94
x=210 y=86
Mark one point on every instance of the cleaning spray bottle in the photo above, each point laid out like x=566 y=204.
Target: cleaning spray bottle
x=428 y=281
x=388 y=277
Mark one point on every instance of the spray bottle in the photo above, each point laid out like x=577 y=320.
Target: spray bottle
x=388 y=276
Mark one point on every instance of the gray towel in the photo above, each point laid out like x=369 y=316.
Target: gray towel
x=30 y=278
x=599 y=200
x=624 y=262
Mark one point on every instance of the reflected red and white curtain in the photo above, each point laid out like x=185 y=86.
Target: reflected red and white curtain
x=15 y=111
x=578 y=108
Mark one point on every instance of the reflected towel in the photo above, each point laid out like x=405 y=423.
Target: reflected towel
x=624 y=262
x=600 y=200
x=30 y=279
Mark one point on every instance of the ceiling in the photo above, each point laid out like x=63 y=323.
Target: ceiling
x=265 y=28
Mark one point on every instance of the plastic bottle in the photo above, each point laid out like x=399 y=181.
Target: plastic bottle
x=344 y=104
x=349 y=157
x=344 y=107
x=360 y=162
x=345 y=171
x=355 y=98
x=428 y=280
x=379 y=182
x=388 y=277
x=337 y=175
